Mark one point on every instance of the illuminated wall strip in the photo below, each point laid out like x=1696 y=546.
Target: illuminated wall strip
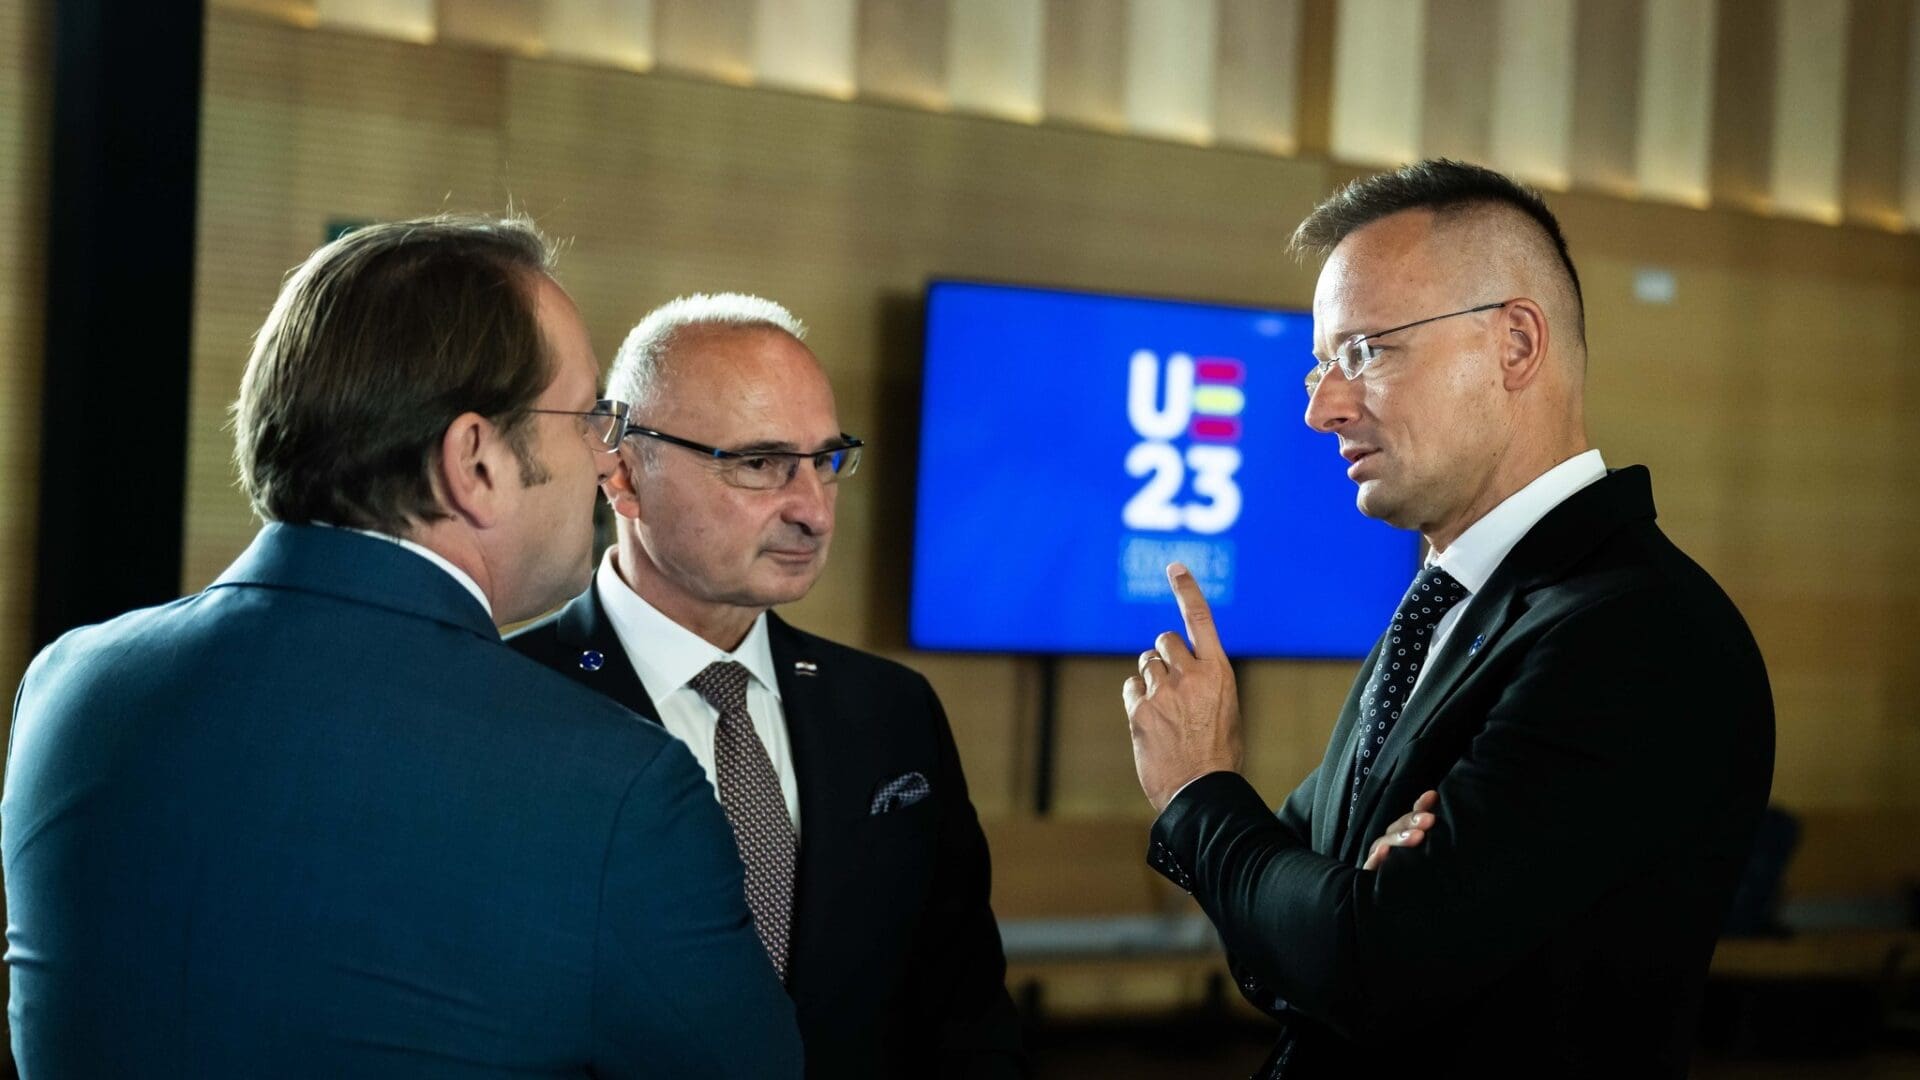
x=1810 y=107
x=618 y=33
x=407 y=20
x=993 y=57
x=1676 y=99
x=1531 y=131
x=1170 y=68
x=805 y=45
x=1378 y=53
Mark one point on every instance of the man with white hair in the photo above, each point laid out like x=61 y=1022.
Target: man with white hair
x=866 y=870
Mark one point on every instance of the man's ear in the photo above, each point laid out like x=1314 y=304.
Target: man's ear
x=622 y=494
x=1523 y=343
x=473 y=477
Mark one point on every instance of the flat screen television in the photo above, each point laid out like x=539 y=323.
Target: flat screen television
x=1073 y=444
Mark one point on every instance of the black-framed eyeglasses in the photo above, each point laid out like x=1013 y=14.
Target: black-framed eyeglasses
x=767 y=470
x=603 y=426
x=1355 y=354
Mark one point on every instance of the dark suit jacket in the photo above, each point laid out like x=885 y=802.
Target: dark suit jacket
x=896 y=967
x=1600 y=730
x=318 y=821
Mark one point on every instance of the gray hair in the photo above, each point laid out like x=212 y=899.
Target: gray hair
x=636 y=367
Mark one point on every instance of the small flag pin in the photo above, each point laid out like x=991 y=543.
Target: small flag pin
x=805 y=667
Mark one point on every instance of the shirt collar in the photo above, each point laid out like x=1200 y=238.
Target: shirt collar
x=1478 y=552
x=466 y=580
x=667 y=655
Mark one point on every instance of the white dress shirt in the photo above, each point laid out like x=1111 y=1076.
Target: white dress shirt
x=1478 y=552
x=466 y=581
x=667 y=656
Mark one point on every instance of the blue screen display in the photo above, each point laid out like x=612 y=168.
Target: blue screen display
x=1073 y=444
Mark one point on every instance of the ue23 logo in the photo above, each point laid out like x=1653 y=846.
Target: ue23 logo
x=1201 y=400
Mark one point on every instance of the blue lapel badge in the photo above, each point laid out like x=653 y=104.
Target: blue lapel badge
x=1478 y=640
x=592 y=660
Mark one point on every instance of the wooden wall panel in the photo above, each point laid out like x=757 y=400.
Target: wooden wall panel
x=1746 y=55
x=705 y=37
x=1606 y=96
x=1456 y=90
x=1085 y=69
x=26 y=109
x=1878 y=59
x=901 y=51
x=301 y=130
x=1258 y=74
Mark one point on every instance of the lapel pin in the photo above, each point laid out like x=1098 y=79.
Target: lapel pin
x=1478 y=640
x=805 y=667
x=591 y=660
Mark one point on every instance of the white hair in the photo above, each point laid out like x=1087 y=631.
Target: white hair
x=636 y=367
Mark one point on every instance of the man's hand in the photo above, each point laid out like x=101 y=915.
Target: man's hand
x=1183 y=708
x=1407 y=832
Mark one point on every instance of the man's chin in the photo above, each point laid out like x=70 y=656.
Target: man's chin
x=1374 y=501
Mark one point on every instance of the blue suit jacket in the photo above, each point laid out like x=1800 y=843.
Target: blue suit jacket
x=318 y=821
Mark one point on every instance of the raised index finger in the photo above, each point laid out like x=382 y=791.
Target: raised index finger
x=1195 y=613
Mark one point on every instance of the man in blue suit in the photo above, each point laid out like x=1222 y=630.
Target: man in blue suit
x=317 y=820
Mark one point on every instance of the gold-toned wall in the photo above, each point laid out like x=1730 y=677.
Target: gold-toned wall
x=1771 y=397
x=25 y=104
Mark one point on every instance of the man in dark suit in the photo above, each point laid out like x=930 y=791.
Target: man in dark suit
x=866 y=869
x=317 y=820
x=1516 y=853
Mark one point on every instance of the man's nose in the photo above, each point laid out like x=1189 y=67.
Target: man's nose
x=1333 y=403
x=809 y=500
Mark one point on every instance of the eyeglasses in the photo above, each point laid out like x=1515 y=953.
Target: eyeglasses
x=604 y=426
x=1357 y=352
x=767 y=470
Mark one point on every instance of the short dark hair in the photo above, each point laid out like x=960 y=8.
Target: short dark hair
x=1437 y=184
x=378 y=342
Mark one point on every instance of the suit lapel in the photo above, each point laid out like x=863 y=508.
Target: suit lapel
x=582 y=629
x=1544 y=555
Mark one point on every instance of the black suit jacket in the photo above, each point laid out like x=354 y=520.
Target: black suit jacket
x=1600 y=730
x=896 y=966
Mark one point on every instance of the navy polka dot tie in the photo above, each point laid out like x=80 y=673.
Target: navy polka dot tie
x=1431 y=595
x=755 y=807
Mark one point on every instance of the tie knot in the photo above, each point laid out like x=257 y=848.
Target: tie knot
x=1432 y=593
x=723 y=684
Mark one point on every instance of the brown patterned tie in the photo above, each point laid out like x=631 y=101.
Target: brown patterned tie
x=750 y=795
